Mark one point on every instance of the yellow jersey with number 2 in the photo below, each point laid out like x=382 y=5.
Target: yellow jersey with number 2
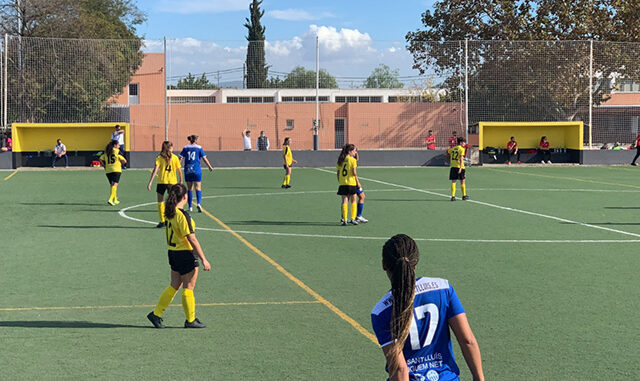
x=345 y=171
x=177 y=229
x=457 y=156
x=167 y=172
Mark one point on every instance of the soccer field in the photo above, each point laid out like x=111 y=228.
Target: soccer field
x=544 y=259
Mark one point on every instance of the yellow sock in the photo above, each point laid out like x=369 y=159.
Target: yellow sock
x=354 y=210
x=112 y=196
x=189 y=304
x=453 y=189
x=464 y=189
x=164 y=301
x=161 y=211
x=287 y=179
x=344 y=212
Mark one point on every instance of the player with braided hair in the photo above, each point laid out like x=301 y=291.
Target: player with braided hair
x=183 y=244
x=412 y=320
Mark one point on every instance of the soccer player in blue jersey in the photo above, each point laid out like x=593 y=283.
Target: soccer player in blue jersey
x=412 y=321
x=192 y=153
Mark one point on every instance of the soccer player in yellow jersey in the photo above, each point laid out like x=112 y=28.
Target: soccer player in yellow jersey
x=166 y=166
x=288 y=160
x=348 y=183
x=457 y=171
x=184 y=251
x=112 y=162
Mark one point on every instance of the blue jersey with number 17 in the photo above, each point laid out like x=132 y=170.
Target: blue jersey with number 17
x=428 y=349
x=192 y=153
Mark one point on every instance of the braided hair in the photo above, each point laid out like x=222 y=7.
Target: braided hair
x=400 y=256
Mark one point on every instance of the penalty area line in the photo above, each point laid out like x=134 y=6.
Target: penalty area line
x=297 y=281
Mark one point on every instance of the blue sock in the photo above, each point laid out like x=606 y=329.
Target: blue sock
x=190 y=197
x=199 y=195
x=360 y=207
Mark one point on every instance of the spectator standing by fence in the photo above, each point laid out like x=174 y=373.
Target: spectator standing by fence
x=431 y=140
x=263 y=142
x=59 y=152
x=637 y=151
x=246 y=140
x=512 y=151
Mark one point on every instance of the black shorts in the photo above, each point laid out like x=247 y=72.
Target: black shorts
x=454 y=175
x=347 y=190
x=284 y=166
x=114 y=177
x=183 y=261
x=161 y=188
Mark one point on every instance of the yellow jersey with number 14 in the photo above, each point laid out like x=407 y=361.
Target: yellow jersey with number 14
x=457 y=156
x=177 y=229
x=167 y=172
x=345 y=171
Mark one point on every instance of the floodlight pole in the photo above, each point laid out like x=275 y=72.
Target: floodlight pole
x=591 y=94
x=166 y=125
x=316 y=122
x=466 y=90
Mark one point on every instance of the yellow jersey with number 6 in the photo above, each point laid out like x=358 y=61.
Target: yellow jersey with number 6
x=457 y=156
x=345 y=171
x=177 y=229
x=167 y=172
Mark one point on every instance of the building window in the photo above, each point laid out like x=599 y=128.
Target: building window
x=352 y=99
x=134 y=97
x=232 y=99
x=341 y=99
x=256 y=99
x=393 y=99
x=287 y=99
x=298 y=99
x=182 y=100
x=376 y=99
x=363 y=99
x=290 y=124
x=243 y=99
x=267 y=99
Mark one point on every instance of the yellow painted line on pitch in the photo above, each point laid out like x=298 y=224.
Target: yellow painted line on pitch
x=153 y=305
x=11 y=175
x=297 y=281
x=564 y=178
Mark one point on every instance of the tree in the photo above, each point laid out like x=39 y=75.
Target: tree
x=383 y=77
x=190 y=82
x=511 y=76
x=256 y=67
x=301 y=78
x=68 y=80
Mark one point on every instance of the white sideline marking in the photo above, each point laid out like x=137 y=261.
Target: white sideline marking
x=123 y=211
x=499 y=207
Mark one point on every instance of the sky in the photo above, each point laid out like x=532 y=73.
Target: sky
x=208 y=36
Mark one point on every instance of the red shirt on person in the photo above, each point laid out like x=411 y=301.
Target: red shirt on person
x=453 y=141
x=431 y=142
x=544 y=145
x=512 y=145
x=638 y=141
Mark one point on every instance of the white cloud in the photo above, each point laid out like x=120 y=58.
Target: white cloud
x=201 y=6
x=343 y=53
x=298 y=15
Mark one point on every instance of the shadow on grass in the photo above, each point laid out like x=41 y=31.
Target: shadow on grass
x=622 y=207
x=63 y=203
x=280 y=223
x=605 y=223
x=94 y=227
x=371 y=199
x=65 y=324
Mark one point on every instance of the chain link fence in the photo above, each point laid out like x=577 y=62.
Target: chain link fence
x=376 y=94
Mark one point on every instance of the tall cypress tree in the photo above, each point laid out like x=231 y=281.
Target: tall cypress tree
x=256 y=68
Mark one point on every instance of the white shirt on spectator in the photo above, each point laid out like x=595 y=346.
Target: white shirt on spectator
x=59 y=149
x=246 y=141
x=118 y=137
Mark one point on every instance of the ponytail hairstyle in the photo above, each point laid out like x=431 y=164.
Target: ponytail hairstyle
x=286 y=141
x=175 y=195
x=166 y=153
x=345 y=152
x=400 y=256
x=192 y=138
x=109 y=148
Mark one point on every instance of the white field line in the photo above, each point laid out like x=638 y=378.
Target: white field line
x=123 y=211
x=500 y=207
